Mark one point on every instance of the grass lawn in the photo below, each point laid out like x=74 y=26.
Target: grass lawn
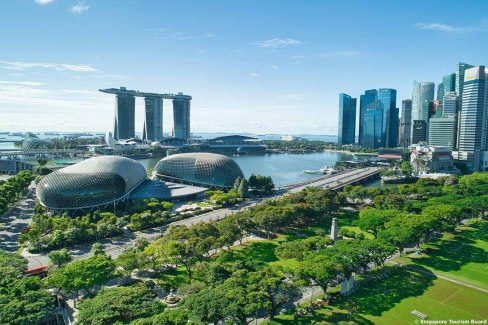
x=391 y=300
x=463 y=256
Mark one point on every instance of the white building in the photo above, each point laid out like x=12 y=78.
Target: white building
x=432 y=159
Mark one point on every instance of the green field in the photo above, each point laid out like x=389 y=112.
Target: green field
x=391 y=301
x=462 y=257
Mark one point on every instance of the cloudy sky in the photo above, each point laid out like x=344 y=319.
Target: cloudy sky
x=261 y=66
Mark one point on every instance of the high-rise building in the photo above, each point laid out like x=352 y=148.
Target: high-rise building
x=460 y=68
x=450 y=104
x=369 y=97
x=181 y=117
x=372 y=126
x=440 y=91
x=449 y=83
x=347 y=119
x=422 y=91
x=389 y=134
x=153 y=119
x=406 y=123
x=124 y=123
x=473 y=128
x=419 y=131
x=442 y=132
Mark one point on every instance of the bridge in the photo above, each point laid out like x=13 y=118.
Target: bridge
x=12 y=153
x=336 y=181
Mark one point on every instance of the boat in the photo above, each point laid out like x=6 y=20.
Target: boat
x=324 y=170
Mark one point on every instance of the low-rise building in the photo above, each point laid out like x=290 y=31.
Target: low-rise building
x=14 y=166
x=432 y=159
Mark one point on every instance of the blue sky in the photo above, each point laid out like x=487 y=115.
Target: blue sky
x=258 y=66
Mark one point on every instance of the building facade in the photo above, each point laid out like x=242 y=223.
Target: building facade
x=181 y=116
x=442 y=132
x=406 y=123
x=347 y=120
x=450 y=104
x=369 y=97
x=473 y=128
x=432 y=159
x=449 y=83
x=419 y=131
x=389 y=132
x=153 y=119
x=125 y=109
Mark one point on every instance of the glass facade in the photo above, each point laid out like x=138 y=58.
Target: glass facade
x=181 y=116
x=347 y=120
x=91 y=183
x=32 y=141
x=450 y=104
x=442 y=132
x=153 y=121
x=124 y=124
x=369 y=97
x=472 y=133
x=419 y=131
x=201 y=169
x=460 y=69
x=389 y=129
x=372 y=126
x=406 y=123
x=449 y=83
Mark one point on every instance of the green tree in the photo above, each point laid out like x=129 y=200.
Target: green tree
x=119 y=305
x=60 y=258
x=243 y=188
x=129 y=260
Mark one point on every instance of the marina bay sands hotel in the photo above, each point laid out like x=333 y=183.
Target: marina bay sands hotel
x=124 y=123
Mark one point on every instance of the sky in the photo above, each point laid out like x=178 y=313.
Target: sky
x=258 y=66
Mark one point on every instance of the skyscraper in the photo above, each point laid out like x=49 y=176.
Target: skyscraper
x=460 y=68
x=347 y=119
x=473 y=128
x=373 y=125
x=124 y=123
x=442 y=132
x=450 y=104
x=449 y=83
x=153 y=119
x=440 y=91
x=181 y=116
x=389 y=132
x=421 y=91
x=419 y=131
x=369 y=97
x=406 y=123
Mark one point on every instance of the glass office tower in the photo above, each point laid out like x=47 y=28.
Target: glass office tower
x=406 y=123
x=449 y=83
x=472 y=133
x=389 y=133
x=373 y=126
x=442 y=132
x=347 y=120
x=369 y=97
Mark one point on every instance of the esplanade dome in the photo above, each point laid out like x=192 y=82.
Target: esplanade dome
x=199 y=168
x=91 y=183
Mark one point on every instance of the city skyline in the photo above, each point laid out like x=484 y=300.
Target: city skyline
x=280 y=74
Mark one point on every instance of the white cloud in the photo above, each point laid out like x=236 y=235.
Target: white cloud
x=79 y=8
x=209 y=35
x=21 y=83
x=277 y=42
x=444 y=28
x=19 y=65
x=254 y=75
x=275 y=67
x=43 y=2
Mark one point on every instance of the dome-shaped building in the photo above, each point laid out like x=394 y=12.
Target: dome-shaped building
x=91 y=183
x=32 y=141
x=200 y=168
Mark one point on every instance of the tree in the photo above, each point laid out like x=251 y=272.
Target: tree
x=237 y=183
x=243 y=188
x=373 y=220
x=97 y=249
x=406 y=169
x=11 y=265
x=398 y=236
x=60 y=258
x=25 y=301
x=276 y=291
x=129 y=260
x=82 y=274
x=119 y=305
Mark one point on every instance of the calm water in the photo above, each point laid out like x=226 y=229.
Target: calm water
x=283 y=168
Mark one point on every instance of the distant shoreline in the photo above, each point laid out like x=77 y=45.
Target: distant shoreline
x=353 y=153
